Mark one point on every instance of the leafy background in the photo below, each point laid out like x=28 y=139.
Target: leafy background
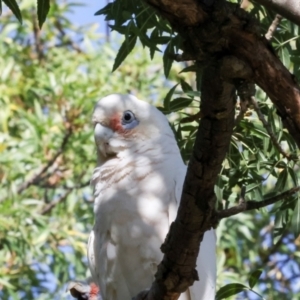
x=49 y=83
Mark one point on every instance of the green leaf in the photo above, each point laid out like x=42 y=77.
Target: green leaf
x=254 y=276
x=293 y=175
x=185 y=86
x=154 y=35
x=163 y=110
x=167 y=60
x=124 y=50
x=106 y=10
x=296 y=218
x=160 y=40
x=192 y=68
x=13 y=5
x=281 y=181
x=219 y=187
x=121 y=29
x=180 y=103
x=230 y=290
x=43 y=7
x=168 y=97
x=0 y=7
x=193 y=93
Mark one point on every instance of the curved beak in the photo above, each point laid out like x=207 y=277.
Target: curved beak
x=102 y=136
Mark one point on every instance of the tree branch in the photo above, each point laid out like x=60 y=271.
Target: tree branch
x=245 y=91
x=290 y=9
x=269 y=130
x=273 y=27
x=64 y=186
x=225 y=28
x=243 y=108
x=177 y=271
x=48 y=208
x=36 y=177
x=250 y=205
x=37 y=39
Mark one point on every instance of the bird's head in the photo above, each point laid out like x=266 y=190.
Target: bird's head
x=123 y=122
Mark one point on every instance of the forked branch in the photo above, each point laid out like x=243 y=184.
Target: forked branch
x=252 y=204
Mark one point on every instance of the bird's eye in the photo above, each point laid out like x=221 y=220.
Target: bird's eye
x=128 y=117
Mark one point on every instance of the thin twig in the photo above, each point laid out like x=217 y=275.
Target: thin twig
x=273 y=27
x=269 y=130
x=245 y=90
x=242 y=196
x=36 y=177
x=37 y=39
x=66 y=38
x=250 y=205
x=64 y=186
x=243 y=108
x=265 y=258
x=48 y=208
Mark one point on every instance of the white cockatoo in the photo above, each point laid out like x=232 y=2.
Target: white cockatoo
x=137 y=188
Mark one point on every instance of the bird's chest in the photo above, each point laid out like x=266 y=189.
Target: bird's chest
x=132 y=212
x=128 y=215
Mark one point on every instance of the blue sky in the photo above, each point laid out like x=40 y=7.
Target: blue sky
x=85 y=14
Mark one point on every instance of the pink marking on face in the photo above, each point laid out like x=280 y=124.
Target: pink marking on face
x=115 y=123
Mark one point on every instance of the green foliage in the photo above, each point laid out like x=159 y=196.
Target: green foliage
x=49 y=84
x=43 y=7
x=236 y=288
x=13 y=5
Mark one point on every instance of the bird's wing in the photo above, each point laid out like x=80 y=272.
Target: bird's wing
x=205 y=288
x=91 y=255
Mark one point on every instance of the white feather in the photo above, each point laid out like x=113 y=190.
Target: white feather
x=136 y=199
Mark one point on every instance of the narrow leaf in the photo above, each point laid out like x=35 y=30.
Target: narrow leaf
x=192 y=68
x=193 y=93
x=254 y=276
x=296 y=218
x=180 y=103
x=185 y=86
x=281 y=181
x=43 y=7
x=161 y=40
x=293 y=175
x=163 y=110
x=13 y=5
x=167 y=60
x=230 y=290
x=104 y=10
x=168 y=98
x=124 y=50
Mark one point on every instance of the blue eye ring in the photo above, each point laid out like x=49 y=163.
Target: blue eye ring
x=128 y=117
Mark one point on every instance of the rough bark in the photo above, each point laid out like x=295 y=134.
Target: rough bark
x=220 y=27
x=177 y=270
x=290 y=9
